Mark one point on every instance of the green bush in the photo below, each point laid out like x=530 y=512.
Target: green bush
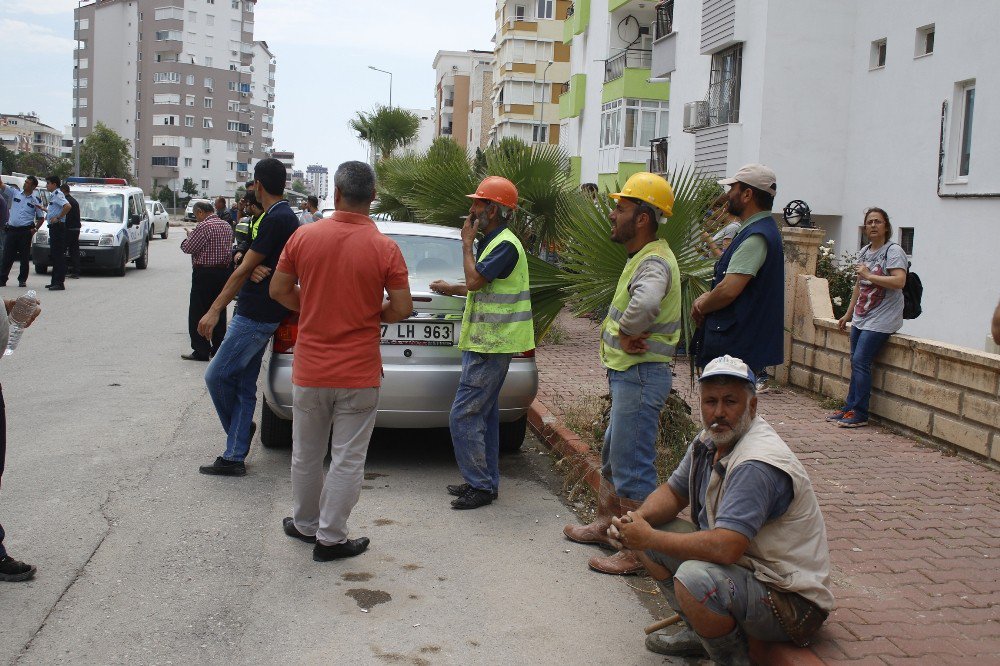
x=839 y=272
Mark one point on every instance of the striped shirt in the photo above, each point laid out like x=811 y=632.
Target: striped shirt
x=210 y=243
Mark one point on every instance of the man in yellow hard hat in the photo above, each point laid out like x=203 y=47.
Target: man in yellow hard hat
x=496 y=325
x=638 y=338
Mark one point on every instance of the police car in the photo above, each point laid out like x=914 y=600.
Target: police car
x=114 y=226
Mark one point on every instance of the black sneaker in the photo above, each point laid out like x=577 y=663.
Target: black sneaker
x=473 y=499
x=338 y=551
x=462 y=488
x=22 y=284
x=223 y=467
x=12 y=571
x=289 y=526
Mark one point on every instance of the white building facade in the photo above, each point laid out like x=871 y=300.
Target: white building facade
x=856 y=104
x=318 y=180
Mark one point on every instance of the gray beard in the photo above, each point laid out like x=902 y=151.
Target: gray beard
x=740 y=429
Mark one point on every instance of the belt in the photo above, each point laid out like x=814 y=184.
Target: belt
x=28 y=227
x=215 y=266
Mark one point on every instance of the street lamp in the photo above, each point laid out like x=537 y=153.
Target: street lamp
x=390 y=81
x=541 y=107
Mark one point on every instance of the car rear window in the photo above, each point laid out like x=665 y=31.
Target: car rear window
x=431 y=257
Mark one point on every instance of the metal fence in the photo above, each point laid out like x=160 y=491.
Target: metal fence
x=664 y=19
x=614 y=67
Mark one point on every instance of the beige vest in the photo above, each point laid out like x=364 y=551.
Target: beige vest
x=789 y=553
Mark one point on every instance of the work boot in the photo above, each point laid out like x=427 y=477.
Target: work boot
x=596 y=532
x=731 y=649
x=683 y=643
x=622 y=563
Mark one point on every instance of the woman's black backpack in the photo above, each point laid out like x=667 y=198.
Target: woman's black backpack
x=913 y=290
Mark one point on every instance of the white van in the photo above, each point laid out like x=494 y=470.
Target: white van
x=114 y=227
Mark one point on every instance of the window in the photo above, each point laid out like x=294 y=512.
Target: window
x=83 y=24
x=206 y=144
x=633 y=124
x=166 y=77
x=169 y=98
x=233 y=105
x=877 y=60
x=208 y=102
x=209 y=83
x=236 y=4
x=204 y=185
x=165 y=119
x=231 y=146
x=187 y=142
x=925 y=41
x=204 y=164
x=206 y=123
x=906 y=240
x=188 y=121
x=519 y=11
x=192 y=17
x=82 y=83
x=235 y=26
x=209 y=60
x=83 y=121
x=84 y=63
x=190 y=79
x=187 y=161
x=544 y=9
x=248 y=7
x=539 y=134
x=230 y=166
x=235 y=126
x=164 y=35
x=166 y=140
x=165 y=161
x=231 y=85
x=163 y=13
x=968 y=102
x=724 y=86
x=189 y=100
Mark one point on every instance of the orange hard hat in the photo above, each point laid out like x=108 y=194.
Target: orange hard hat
x=497 y=189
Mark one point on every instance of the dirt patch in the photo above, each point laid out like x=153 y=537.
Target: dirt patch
x=442 y=578
x=430 y=649
x=368 y=599
x=367 y=487
x=382 y=522
x=413 y=596
x=412 y=567
x=397 y=658
x=357 y=576
x=373 y=475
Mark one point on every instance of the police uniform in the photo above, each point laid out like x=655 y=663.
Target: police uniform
x=24 y=210
x=57 y=237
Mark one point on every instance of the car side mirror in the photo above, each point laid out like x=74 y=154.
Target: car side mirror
x=135 y=221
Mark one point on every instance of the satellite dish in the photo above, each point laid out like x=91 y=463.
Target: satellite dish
x=797 y=214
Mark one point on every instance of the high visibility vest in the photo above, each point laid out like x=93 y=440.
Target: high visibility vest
x=665 y=331
x=497 y=318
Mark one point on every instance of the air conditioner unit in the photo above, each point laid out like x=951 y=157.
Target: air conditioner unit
x=695 y=115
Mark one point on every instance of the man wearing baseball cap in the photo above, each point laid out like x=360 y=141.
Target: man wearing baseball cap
x=497 y=324
x=743 y=315
x=754 y=561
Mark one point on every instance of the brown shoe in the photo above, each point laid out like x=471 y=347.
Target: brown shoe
x=597 y=531
x=622 y=563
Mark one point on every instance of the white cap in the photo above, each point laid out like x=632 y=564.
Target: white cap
x=730 y=366
x=755 y=175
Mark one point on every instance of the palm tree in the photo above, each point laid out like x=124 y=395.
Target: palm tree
x=386 y=129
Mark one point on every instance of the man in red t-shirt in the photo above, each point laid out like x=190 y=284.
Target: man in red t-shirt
x=343 y=265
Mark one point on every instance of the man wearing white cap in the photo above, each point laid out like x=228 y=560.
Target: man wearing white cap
x=743 y=315
x=754 y=562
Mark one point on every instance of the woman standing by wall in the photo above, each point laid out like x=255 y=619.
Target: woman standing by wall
x=875 y=312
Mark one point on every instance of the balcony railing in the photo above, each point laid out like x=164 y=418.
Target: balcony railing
x=570 y=10
x=723 y=102
x=614 y=67
x=658 y=155
x=664 y=19
x=564 y=88
x=446 y=131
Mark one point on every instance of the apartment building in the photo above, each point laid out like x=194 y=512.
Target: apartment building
x=531 y=65
x=611 y=109
x=463 y=94
x=855 y=104
x=318 y=180
x=185 y=81
x=25 y=133
x=287 y=158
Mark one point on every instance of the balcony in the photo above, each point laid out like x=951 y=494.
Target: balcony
x=572 y=98
x=615 y=66
x=446 y=131
x=635 y=83
x=576 y=21
x=664 y=24
x=658 y=155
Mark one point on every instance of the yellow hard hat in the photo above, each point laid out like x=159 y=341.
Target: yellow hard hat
x=648 y=187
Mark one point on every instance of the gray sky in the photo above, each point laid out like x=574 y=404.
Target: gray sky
x=323 y=49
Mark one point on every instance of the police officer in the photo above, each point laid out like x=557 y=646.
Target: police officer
x=25 y=209
x=59 y=208
x=496 y=325
x=72 y=232
x=638 y=339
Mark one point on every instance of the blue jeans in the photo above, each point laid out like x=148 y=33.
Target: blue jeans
x=232 y=380
x=637 y=397
x=475 y=418
x=865 y=345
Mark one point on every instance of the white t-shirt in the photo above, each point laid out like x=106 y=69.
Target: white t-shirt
x=880 y=309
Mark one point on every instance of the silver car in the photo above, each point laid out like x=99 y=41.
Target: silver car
x=420 y=356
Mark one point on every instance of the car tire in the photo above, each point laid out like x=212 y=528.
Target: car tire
x=41 y=269
x=120 y=271
x=143 y=261
x=275 y=432
x=166 y=231
x=512 y=435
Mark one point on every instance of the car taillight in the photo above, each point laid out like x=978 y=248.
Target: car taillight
x=527 y=354
x=286 y=334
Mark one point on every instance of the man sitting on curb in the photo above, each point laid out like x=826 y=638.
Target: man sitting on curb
x=755 y=563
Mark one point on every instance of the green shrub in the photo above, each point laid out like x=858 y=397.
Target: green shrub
x=839 y=272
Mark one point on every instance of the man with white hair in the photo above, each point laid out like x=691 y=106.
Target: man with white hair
x=754 y=562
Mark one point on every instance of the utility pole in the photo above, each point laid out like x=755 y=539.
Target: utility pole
x=541 y=106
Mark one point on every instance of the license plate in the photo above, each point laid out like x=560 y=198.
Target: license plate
x=418 y=334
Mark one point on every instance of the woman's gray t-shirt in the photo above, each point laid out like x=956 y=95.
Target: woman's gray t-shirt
x=880 y=309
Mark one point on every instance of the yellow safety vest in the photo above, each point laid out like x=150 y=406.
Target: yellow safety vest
x=665 y=331
x=497 y=318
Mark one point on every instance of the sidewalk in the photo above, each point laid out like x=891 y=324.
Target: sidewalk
x=914 y=535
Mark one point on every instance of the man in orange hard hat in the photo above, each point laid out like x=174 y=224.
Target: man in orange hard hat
x=496 y=325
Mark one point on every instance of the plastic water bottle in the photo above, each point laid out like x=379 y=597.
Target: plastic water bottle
x=20 y=315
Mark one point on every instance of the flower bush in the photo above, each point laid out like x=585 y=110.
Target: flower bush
x=839 y=272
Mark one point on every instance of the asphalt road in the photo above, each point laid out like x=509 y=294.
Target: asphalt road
x=143 y=560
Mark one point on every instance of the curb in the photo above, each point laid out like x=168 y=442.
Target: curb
x=567 y=443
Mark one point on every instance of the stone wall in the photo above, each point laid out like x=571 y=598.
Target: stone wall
x=934 y=391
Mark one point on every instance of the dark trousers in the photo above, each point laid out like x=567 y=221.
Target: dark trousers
x=206 y=285
x=57 y=252
x=17 y=245
x=73 y=243
x=3 y=456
